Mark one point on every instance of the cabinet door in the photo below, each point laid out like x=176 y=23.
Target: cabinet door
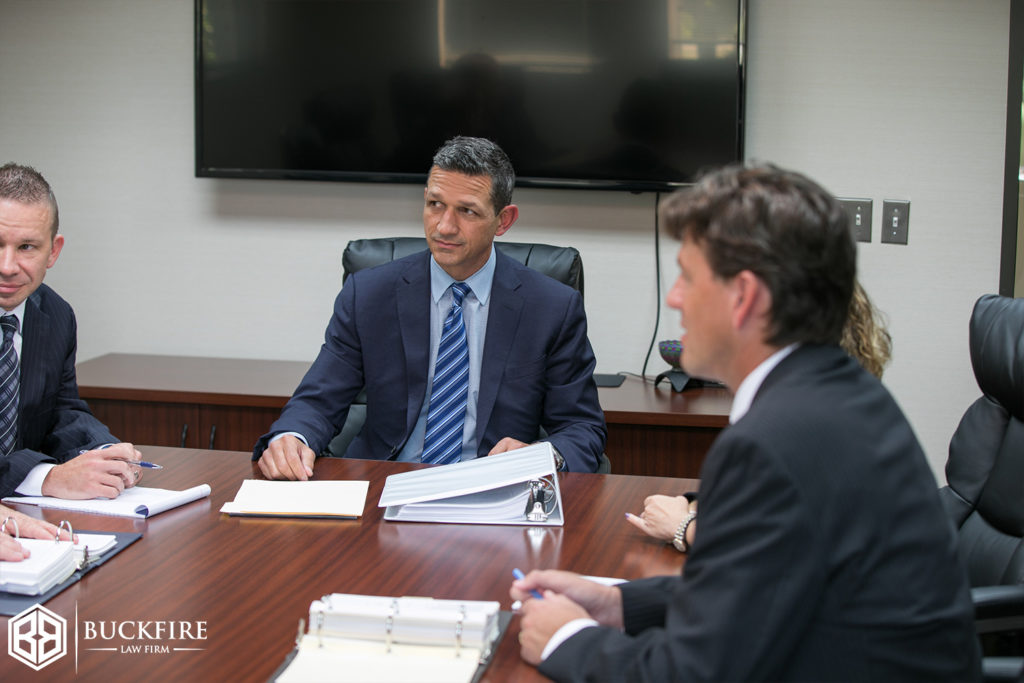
x=149 y=423
x=233 y=428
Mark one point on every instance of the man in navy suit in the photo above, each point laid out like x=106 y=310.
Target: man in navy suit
x=530 y=362
x=60 y=448
x=823 y=552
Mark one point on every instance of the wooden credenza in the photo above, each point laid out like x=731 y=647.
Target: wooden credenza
x=226 y=404
x=189 y=402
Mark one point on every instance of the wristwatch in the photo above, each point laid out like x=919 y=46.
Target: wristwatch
x=679 y=540
x=559 y=460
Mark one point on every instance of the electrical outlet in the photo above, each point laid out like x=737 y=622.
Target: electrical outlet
x=859 y=213
x=895 y=220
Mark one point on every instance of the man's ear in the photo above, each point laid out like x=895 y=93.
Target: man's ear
x=751 y=300
x=55 y=247
x=506 y=217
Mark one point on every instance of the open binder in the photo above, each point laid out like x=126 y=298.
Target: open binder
x=384 y=639
x=518 y=487
x=53 y=565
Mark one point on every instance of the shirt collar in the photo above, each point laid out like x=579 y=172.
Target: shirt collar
x=752 y=382
x=479 y=282
x=18 y=312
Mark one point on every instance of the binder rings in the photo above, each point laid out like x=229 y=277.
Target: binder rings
x=54 y=565
x=519 y=487
x=374 y=638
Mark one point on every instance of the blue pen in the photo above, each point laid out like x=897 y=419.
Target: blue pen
x=147 y=465
x=519 y=575
x=143 y=463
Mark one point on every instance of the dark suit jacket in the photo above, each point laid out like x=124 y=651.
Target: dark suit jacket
x=822 y=552
x=537 y=369
x=53 y=423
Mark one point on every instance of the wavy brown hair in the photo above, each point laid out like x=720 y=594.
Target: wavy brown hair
x=864 y=335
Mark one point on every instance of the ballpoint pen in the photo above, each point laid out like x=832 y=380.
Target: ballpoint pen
x=520 y=576
x=143 y=463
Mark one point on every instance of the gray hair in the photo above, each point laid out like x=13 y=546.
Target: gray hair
x=479 y=156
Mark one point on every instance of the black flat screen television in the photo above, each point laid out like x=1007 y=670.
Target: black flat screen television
x=605 y=94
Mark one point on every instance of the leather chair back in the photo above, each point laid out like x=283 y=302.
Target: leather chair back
x=985 y=470
x=562 y=263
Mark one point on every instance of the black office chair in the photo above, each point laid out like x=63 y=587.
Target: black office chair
x=985 y=494
x=561 y=263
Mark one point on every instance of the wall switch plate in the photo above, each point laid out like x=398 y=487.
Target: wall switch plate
x=859 y=213
x=895 y=220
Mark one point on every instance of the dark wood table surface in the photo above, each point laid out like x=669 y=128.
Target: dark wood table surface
x=252 y=580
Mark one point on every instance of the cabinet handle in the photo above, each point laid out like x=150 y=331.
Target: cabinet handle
x=184 y=435
x=213 y=433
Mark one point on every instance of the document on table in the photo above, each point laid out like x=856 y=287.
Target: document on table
x=139 y=502
x=336 y=499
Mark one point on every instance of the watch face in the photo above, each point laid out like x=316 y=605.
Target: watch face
x=678 y=544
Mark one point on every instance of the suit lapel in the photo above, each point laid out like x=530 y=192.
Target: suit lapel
x=413 y=302
x=502 y=322
x=35 y=330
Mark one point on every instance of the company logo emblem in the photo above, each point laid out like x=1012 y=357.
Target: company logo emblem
x=37 y=637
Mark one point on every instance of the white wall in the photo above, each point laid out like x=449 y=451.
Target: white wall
x=880 y=98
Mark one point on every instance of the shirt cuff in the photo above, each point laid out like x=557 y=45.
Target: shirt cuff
x=298 y=436
x=32 y=485
x=565 y=633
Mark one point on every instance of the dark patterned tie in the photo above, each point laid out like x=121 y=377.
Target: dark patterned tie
x=442 y=443
x=9 y=377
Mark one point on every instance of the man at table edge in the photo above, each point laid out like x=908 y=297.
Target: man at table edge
x=56 y=447
x=823 y=551
x=530 y=363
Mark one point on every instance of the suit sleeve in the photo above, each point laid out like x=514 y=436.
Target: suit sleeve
x=72 y=427
x=320 y=404
x=573 y=419
x=747 y=594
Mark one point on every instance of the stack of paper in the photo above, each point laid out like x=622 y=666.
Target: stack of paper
x=49 y=564
x=261 y=498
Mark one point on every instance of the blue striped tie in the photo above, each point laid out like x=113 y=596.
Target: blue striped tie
x=9 y=376
x=446 y=417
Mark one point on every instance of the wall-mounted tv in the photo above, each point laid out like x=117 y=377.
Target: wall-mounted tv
x=605 y=94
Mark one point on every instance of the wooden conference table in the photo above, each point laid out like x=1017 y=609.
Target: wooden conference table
x=252 y=580
x=227 y=403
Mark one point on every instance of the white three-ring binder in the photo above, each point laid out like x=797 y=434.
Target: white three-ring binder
x=518 y=487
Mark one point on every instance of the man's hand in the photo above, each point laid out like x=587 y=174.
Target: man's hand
x=287 y=458
x=662 y=515
x=27 y=527
x=11 y=550
x=102 y=473
x=541 y=619
x=601 y=602
x=507 y=444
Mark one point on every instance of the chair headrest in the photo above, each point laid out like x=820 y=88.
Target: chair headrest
x=561 y=263
x=997 y=350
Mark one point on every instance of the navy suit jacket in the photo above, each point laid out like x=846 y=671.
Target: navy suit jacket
x=54 y=424
x=537 y=369
x=822 y=552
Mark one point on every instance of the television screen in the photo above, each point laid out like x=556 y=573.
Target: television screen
x=609 y=94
